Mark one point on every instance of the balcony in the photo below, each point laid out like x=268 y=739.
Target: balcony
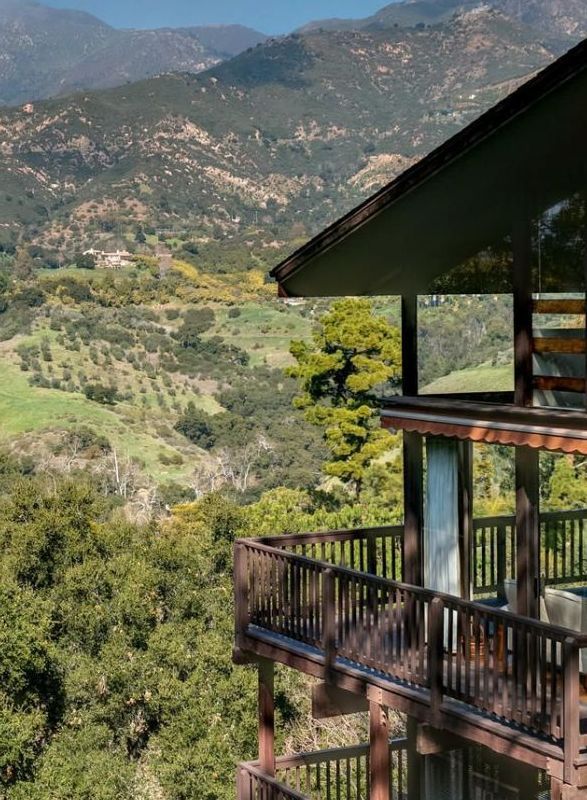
x=343 y=774
x=333 y=605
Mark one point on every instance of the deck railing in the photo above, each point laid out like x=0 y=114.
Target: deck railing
x=342 y=773
x=521 y=672
x=379 y=551
x=563 y=550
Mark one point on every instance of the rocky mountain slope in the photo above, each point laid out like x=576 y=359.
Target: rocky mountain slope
x=552 y=18
x=261 y=151
x=47 y=51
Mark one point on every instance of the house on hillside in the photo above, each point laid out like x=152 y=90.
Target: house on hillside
x=110 y=260
x=475 y=628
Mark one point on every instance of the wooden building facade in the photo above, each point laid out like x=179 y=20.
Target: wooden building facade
x=461 y=623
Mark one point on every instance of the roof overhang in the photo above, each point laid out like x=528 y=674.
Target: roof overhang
x=519 y=158
x=547 y=429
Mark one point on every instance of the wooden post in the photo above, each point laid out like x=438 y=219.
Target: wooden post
x=267 y=717
x=571 y=708
x=328 y=622
x=435 y=657
x=415 y=761
x=413 y=451
x=379 y=756
x=413 y=508
x=501 y=561
x=585 y=281
x=527 y=460
x=243 y=785
x=527 y=531
x=241 y=592
x=372 y=553
x=410 y=346
x=523 y=313
x=465 y=492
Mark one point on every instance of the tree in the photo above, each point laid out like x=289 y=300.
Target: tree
x=197 y=426
x=352 y=357
x=100 y=393
x=195 y=322
x=24 y=265
x=85 y=261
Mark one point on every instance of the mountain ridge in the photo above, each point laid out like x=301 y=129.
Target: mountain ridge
x=51 y=52
x=552 y=18
x=261 y=151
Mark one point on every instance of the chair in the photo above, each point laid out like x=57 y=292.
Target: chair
x=511 y=593
x=568 y=610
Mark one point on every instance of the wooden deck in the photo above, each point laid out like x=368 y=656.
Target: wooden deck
x=489 y=676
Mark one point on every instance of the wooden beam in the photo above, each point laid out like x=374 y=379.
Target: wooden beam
x=432 y=741
x=267 y=717
x=559 y=383
x=555 y=344
x=330 y=701
x=523 y=305
x=527 y=531
x=379 y=757
x=561 y=305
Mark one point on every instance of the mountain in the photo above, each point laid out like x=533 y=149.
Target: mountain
x=260 y=151
x=552 y=18
x=47 y=51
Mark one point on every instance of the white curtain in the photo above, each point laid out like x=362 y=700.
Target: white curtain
x=442 y=568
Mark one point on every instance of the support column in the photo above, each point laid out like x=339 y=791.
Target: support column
x=415 y=761
x=527 y=531
x=379 y=757
x=527 y=460
x=267 y=717
x=585 y=285
x=413 y=508
x=413 y=450
x=523 y=316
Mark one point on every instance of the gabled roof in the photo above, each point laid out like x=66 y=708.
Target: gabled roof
x=526 y=153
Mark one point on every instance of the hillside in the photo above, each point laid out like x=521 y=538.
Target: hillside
x=48 y=51
x=552 y=18
x=259 y=152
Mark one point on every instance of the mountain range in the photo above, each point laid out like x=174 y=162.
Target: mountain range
x=250 y=157
x=48 y=51
x=551 y=18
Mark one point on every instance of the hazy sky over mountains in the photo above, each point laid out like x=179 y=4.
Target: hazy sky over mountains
x=268 y=16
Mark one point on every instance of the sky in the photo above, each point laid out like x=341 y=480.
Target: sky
x=269 y=16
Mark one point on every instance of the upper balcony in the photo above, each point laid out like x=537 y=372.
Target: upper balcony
x=334 y=606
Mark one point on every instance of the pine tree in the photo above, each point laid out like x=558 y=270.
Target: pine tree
x=353 y=356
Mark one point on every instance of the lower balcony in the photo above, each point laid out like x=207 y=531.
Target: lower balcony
x=332 y=605
x=343 y=774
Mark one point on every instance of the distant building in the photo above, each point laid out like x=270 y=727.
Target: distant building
x=105 y=260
